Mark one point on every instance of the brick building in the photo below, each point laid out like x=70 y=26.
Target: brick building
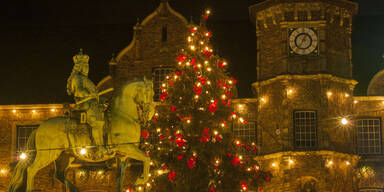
x=312 y=133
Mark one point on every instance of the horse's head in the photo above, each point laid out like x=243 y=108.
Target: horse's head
x=134 y=101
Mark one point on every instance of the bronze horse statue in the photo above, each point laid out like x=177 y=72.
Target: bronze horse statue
x=130 y=107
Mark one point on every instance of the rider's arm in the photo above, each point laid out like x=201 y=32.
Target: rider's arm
x=81 y=92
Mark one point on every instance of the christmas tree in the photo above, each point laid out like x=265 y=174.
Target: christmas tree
x=195 y=149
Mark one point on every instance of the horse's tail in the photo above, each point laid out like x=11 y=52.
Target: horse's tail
x=18 y=181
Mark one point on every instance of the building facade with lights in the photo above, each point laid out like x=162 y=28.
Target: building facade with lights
x=312 y=134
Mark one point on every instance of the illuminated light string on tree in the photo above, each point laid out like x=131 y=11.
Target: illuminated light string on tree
x=192 y=146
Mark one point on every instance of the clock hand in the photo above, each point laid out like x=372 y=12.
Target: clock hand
x=299 y=41
x=302 y=40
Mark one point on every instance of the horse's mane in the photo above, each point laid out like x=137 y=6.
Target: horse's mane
x=120 y=90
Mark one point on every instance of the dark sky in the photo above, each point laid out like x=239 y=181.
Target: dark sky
x=40 y=38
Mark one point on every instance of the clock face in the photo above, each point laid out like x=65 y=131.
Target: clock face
x=303 y=41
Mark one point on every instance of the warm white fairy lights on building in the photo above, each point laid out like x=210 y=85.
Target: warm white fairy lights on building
x=344 y=121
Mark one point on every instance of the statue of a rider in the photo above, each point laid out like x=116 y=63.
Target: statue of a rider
x=86 y=97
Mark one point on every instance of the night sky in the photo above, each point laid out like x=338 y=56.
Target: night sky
x=40 y=38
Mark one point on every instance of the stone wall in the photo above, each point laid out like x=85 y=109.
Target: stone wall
x=370 y=167
x=329 y=96
x=323 y=171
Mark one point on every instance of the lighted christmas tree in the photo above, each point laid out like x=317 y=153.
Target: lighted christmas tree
x=196 y=150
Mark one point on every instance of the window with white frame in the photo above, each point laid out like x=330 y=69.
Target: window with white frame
x=22 y=134
x=159 y=75
x=246 y=133
x=368 y=136
x=305 y=129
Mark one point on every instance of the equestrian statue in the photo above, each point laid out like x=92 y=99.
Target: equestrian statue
x=90 y=134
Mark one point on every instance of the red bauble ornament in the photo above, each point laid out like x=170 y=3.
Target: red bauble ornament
x=197 y=89
x=224 y=122
x=227 y=102
x=193 y=29
x=208 y=34
x=267 y=179
x=206 y=136
x=163 y=96
x=180 y=157
x=171 y=176
x=191 y=163
x=205 y=16
x=202 y=80
x=180 y=142
x=229 y=94
x=244 y=186
x=181 y=58
x=219 y=138
x=144 y=134
x=173 y=108
x=178 y=72
x=236 y=161
x=193 y=61
x=220 y=64
x=155 y=118
x=213 y=106
x=234 y=80
x=211 y=189
x=208 y=54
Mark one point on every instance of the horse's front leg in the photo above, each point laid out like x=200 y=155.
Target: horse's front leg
x=132 y=151
x=121 y=167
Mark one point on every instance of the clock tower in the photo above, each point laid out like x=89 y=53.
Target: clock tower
x=304 y=89
x=303 y=37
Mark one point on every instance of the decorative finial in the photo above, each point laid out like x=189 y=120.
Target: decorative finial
x=81 y=51
x=137 y=21
x=191 y=20
x=113 y=60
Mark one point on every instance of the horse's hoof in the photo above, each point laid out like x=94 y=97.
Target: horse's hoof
x=141 y=181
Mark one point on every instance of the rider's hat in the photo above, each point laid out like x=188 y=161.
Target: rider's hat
x=79 y=59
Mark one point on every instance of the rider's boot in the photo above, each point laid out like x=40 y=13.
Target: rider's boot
x=97 y=133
